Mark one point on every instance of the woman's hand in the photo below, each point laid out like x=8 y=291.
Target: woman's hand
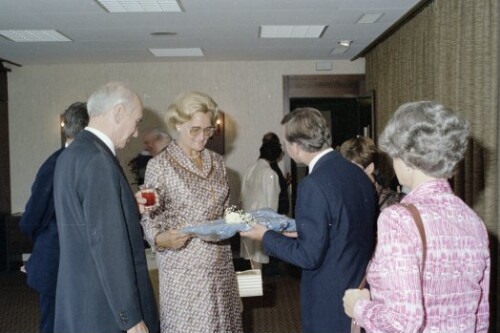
x=291 y=234
x=171 y=239
x=351 y=296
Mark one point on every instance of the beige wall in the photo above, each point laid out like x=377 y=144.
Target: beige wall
x=250 y=93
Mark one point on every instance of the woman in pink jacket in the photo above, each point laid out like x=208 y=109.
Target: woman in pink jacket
x=426 y=141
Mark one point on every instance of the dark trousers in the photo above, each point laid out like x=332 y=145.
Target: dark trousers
x=47 y=312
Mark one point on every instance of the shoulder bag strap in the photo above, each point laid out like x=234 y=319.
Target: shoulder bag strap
x=421 y=230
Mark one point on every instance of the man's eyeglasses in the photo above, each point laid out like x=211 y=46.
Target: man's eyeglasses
x=207 y=131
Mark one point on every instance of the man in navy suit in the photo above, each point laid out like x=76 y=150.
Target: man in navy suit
x=335 y=218
x=103 y=283
x=39 y=223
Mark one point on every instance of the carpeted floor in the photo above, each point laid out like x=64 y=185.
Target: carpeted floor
x=277 y=311
x=18 y=305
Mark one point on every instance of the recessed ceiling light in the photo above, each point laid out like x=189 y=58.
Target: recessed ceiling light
x=345 y=42
x=163 y=34
x=187 y=52
x=139 y=6
x=369 y=18
x=291 y=31
x=34 y=36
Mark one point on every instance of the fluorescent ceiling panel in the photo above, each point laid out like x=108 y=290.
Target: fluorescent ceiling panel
x=34 y=36
x=369 y=18
x=188 y=52
x=140 y=6
x=291 y=31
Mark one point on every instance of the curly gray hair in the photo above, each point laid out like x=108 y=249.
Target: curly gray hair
x=427 y=136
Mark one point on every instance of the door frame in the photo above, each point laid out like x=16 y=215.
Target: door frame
x=326 y=86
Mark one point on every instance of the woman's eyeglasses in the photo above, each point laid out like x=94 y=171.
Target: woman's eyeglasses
x=207 y=131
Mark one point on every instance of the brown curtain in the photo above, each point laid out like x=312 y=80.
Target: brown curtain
x=449 y=52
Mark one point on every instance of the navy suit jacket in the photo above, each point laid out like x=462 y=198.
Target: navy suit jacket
x=103 y=283
x=39 y=224
x=335 y=217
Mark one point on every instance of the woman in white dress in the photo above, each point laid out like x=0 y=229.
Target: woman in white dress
x=260 y=189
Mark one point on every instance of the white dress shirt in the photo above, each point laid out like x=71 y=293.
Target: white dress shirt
x=107 y=141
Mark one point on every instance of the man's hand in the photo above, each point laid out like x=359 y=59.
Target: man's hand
x=140 y=201
x=291 y=234
x=256 y=233
x=139 y=328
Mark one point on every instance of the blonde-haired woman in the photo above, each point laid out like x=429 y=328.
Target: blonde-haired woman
x=198 y=288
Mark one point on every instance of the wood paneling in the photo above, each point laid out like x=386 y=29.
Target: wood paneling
x=325 y=86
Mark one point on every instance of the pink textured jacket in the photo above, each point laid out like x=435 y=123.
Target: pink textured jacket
x=453 y=296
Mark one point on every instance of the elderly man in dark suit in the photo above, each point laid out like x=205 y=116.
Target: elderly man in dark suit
x=103 y=283
x=39 y=223
x=335 y=217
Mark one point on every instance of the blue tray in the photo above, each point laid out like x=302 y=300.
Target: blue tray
x=217 y=230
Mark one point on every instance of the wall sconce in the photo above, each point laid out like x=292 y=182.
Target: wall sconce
x=61 y=123
x=216 y=143
x=219 y=124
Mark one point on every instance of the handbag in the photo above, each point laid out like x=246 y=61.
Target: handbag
x=250 y=281
x=355 y=328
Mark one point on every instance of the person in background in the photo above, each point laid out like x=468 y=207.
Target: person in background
x=273 y=267
x=260 y=189
x=198 y=287
x=426 y=141
x=363 y=152
x=39 y=223
x=103 y=284
x=284 y=199
x=335 y=219
x=154 y=141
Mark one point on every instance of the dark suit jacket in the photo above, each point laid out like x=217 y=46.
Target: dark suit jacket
x=335 y=217
x=39 y=224
x=103 y=282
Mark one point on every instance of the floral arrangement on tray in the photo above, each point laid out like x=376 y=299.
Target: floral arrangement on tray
x=235 y=216
x=235 y=220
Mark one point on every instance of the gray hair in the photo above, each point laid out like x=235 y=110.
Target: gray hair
x=110 y=95
x=157 y=132
x=426 y=136
x=308 y=128
x=75 y=119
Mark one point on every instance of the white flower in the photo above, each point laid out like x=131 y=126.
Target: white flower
x=234 y=216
